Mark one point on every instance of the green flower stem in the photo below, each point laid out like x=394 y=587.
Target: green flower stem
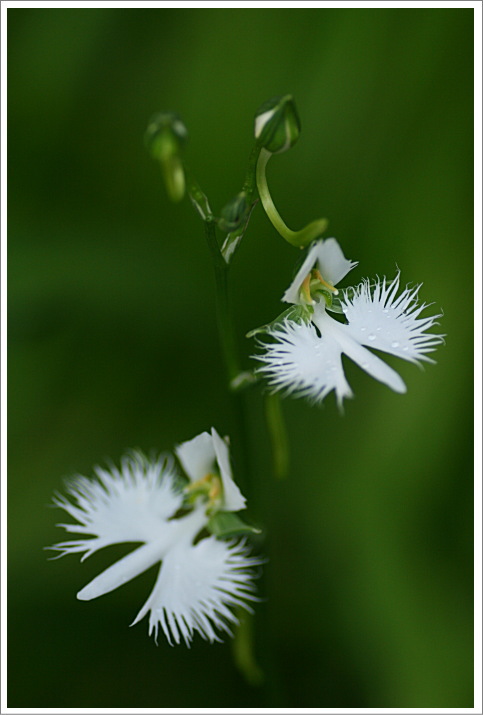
x=300 y=238
x=243 y=647
x=278 y=435
x=173 y=175
x=250 y=185
x=233 y=239
x=244 y=650
x=223 y=306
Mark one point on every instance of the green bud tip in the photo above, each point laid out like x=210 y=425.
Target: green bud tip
x=165 y=136
x=277 y=124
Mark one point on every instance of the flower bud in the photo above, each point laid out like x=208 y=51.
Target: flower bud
x=165 y=136
x=234 y=213
x=277 y=124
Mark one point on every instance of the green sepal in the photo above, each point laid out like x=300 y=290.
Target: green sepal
x=296 y=313
x=335 y=306
x=165 y=136
x=244 y=379
x=327 y=295
x=234 y=213
x=277 y=124
x=198 y=197
x=224 y=524
x=232 y=241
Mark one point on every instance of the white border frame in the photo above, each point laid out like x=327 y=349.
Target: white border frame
x=477 y=6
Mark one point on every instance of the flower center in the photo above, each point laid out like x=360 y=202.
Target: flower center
x=315 y=286
x=209 y=488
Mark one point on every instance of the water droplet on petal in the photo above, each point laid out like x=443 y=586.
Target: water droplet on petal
x=385 y=311
x=363 y=330
x=372 y=336
x=394 y=344
x=405 y=348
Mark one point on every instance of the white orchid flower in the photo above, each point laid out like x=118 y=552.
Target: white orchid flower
x=198 y=584
x=304 y=359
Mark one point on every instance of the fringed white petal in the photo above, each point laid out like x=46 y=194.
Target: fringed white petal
x=197 y=456
x=327 y=256
x=196 y=589
x=303 y=363
x=380 y=319
x=300 y=363
x=129 y=504
x=233 y=499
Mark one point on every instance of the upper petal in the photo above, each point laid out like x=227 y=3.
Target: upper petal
x=233 y=499
x=328 y=257
x=291 y=295
x=332 y=263
x=197 y=456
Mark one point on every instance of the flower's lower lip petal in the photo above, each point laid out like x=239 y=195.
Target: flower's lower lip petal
x=374 y=366
x=123 y=570
x=363 y=357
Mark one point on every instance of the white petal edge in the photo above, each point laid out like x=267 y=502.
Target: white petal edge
x=233 y=499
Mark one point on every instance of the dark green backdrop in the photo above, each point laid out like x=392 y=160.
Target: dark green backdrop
x=113 y=341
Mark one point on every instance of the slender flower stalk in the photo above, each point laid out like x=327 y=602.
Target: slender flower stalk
x=301 y=238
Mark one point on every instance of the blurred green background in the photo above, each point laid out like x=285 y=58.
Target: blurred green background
x=113 y=343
